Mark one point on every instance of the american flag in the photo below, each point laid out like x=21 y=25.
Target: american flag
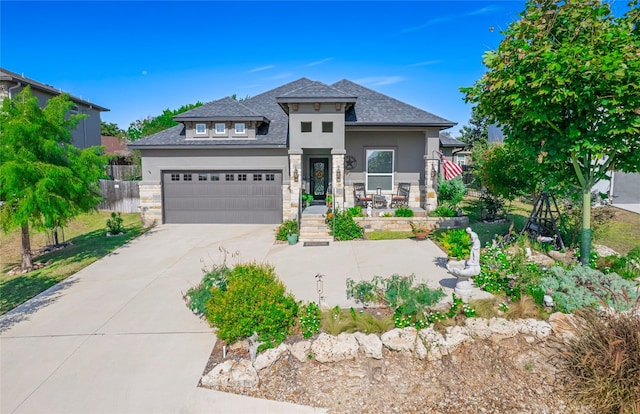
x=450 y=169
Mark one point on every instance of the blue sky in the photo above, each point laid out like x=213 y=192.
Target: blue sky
x=138 y=58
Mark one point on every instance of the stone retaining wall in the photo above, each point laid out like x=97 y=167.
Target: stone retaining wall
x=402 y=223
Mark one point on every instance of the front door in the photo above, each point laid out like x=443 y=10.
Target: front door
x=318 y=177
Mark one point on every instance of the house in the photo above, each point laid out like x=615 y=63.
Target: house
x=86 y=134
x=250 y=161
x=455 y=150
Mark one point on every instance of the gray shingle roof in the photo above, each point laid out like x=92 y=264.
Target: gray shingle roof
x=371 y=108
x=446 y=141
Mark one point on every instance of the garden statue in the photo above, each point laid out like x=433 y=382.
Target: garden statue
x=464 y=270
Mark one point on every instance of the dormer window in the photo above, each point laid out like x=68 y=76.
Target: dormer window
x=201 y=129
x=221 y=129
x=240 y=128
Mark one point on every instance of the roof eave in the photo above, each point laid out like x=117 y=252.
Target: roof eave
x=221 y=118
x=186 y=147
x=442 y=125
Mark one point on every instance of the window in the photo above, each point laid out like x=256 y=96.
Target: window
x=215 y=177
x=175 y=177
x=228 y=177
x=380 y=170
x=221 y=129
x=257 y=177
x=186 y=177
x=201 y=129
x=327 y=127
x=305 y=126
x=242 y=177
x=461 y=160
x=202 y=177
x=240 y=128
x=269 y=177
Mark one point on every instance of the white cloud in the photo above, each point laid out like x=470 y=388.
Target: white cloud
x=261 y=68
x=425 y=63
x=380 y=80
x=318 y=62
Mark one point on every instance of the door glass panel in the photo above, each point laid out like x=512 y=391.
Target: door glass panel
x=319 y=178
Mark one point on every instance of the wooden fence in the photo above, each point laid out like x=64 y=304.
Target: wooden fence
x=123 y=172
x=120 y=196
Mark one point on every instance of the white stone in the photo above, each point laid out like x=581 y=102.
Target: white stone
x=219 y=375
x=370 y=344
x=328 y=348
x=456 y=336
x=400 y=339
x=434 y=343
x=267 y=358
x=232 y=374
x=563 y=325
x=478 y=327
x=300 y=350
x=502 y=328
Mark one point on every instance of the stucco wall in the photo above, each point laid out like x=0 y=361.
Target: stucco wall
x=316 y=138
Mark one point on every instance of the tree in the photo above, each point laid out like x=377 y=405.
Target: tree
x=44 y=179
x=564 y=84
x=111 y=130
x=477 y=130
x=151 y=125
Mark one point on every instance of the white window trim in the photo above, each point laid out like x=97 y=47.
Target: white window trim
x=391 y=174
x=224 y=131
x=244 y=128
x=203 y=132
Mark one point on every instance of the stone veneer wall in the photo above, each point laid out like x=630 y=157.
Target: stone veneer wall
x=402 y=223
x=150 y=203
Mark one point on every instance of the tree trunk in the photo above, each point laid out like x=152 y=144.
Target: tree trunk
x=27 y=262
x=585 y=237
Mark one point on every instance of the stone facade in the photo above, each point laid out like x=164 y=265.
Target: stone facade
x=150 y=203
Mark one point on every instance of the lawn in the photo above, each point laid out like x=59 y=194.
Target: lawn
x=87 y=240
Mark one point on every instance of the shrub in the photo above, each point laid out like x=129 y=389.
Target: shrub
x=403 y=212
x=625 y=266
x=399 y=293
x=343 y=227
x=214 y=279
x=115 y=223
x=309 y=319
x=451 y=192
x=602 y=360
x=286 y=228
x=494 y=205
x=582 y=287
x=254 y=301
x=457 y=243
x=443 y=211
x=355 y=211
x=364 y=292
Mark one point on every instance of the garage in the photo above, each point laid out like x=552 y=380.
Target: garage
x=251 y=197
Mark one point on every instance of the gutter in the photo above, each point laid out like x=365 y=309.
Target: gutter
x=19 y=84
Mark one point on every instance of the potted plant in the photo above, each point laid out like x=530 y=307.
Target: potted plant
x=329 y=201
x=307 y=199
x=292 y=238
x=420 y=229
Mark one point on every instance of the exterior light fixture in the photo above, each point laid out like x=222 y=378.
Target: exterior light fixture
x=338 y=175
x=296 y=176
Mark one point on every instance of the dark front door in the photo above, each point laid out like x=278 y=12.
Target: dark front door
x=318 y=177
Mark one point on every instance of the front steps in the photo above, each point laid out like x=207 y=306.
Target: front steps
x=313 y=227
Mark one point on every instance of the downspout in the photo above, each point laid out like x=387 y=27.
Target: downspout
x=19 y=84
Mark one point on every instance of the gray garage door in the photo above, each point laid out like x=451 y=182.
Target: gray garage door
x=222 y=196
x=626 y=188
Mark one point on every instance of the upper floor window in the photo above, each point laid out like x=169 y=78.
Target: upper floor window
x=327 y=127
x=240 y=128
x=380 y=169
x=201 y=129
x=461 y=159
x=305 y=126
x=221 y=129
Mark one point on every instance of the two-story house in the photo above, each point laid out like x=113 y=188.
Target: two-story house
x=249 y=161
x=86 y=134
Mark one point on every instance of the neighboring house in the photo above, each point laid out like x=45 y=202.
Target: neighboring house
x=86 y=134
x=454 y=150
x=249 y=161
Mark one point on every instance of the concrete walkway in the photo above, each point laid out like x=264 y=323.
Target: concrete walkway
x=117 y=337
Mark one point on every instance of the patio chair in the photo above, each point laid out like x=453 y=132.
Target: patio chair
x=401 y=199
x=360 y=196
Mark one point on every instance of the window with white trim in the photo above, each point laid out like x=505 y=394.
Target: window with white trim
x=461 y=160
x=379 y=168
x=221 y=129
x=201 y=129
x=240 y=128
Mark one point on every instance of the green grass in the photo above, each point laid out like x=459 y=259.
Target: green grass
x=622 y=233
x=85 y=248
x=517 y=213
x=388 y=235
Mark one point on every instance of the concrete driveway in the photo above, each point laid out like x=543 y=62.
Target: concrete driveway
x=117 y=337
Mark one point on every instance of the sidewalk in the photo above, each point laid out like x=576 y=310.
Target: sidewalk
x=118 y=338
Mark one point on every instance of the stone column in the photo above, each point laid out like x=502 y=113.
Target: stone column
x=295 y=169
x=150 y=202
x=337 y=177
x=431 y=183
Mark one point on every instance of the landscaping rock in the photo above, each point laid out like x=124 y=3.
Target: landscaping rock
x=434 y=343
x=400 y=339
x=562 y=324
x=300 y=350
x=232 y=374
x=268 y=357
x=328 y=348
x=502 y=328
x=478 y=327
x=370 y=344
x=456 y=336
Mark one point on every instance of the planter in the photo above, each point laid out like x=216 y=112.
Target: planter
x=292 y=238
x=421 y=235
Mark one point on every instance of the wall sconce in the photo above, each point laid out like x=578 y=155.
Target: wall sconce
x=338 y=175
x=296 y=176
x=433 y=173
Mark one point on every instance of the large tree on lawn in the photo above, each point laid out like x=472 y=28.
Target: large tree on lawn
x=565 y=85
x=44 y=179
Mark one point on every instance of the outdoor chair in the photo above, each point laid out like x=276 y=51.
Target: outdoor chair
x=401 y=199
x=360 y=196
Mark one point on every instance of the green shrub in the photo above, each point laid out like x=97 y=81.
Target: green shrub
x=343 y=227
x=254 y=301
x=493 y=205
x=115 y=223
x=582 y=287
x=602 y=360
x=364 y=292
x=286 y=228
x=355 y=211
x=625 y=266
x=457 y=243
x=214 y=279
x=399 y=293
x=403 y=212
x=451 y=192
x=443 y=211
x=309 y=318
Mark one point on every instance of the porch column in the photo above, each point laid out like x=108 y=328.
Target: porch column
x=431 y=166
x=337 y=177
x=295 y=183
